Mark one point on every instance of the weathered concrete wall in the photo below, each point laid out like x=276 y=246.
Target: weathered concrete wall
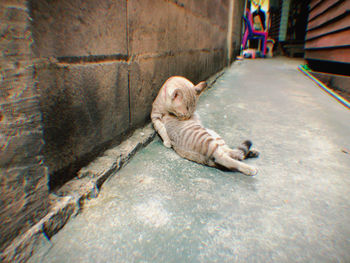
x=84 y=106
x=23 y=187
x=100 y=64
x=82 y=78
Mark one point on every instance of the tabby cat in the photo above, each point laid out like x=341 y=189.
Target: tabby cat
x=179 y=126
x=177 y=96
x=194 y=142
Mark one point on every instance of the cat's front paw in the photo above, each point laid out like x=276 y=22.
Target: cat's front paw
x=167 y=144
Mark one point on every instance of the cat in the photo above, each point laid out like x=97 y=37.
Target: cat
x=178 y=96
x=174 y=118
x=192 y=141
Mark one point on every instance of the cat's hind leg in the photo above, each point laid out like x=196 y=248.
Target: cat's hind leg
x=237 y=154
x=242 y=152
x=222 y=158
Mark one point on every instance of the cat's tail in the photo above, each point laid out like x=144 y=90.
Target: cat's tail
x=247 y=151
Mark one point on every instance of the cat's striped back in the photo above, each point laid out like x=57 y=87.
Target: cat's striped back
x=191 y=137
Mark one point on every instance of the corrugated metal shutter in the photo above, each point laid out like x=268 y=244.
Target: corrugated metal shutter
x=328 y=31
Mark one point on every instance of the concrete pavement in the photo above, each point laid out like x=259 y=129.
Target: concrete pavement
x=162 y=208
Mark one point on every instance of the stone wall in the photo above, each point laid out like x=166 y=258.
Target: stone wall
x=82 y=77
x=100 y=64
x=78 y=75
x=23 y=187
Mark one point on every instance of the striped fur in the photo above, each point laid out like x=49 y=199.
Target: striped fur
x=196 y=143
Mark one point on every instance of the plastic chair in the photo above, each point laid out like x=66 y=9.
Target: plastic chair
x=250 y=33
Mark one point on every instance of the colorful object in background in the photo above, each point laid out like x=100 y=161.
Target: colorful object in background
x=250 y=33
x=270 y=43
x=259 y=10
x=264 y=4
x=251 y=53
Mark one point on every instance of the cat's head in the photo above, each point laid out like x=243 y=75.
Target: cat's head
x=183 y=100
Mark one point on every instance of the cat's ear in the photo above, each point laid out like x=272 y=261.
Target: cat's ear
x=200 y=87
x=177 y=94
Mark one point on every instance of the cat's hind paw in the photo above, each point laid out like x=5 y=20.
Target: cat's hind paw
x=252 y=171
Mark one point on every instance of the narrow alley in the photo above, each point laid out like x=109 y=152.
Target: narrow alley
x=162 y=208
